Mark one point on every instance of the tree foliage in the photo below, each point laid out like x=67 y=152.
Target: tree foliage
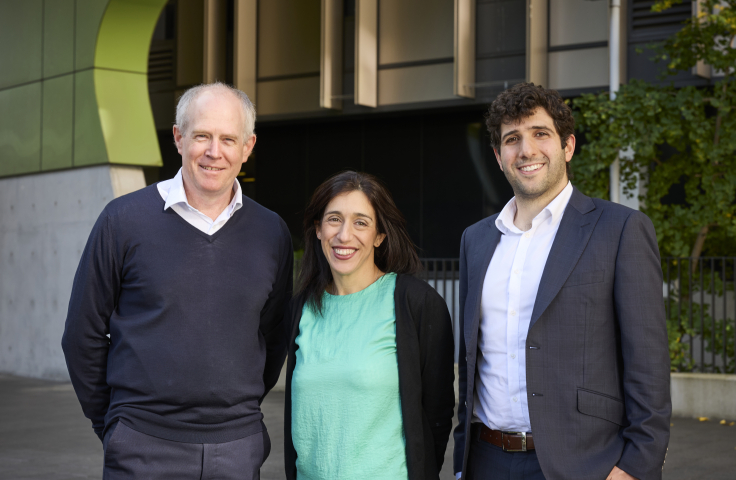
x=680 y=140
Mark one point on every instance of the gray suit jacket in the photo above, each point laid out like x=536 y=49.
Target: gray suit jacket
x=597 y=359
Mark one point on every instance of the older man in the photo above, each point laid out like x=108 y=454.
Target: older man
x=564 y=363
x=188 y=278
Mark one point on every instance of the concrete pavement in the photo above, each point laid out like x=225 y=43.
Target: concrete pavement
x=43 y=435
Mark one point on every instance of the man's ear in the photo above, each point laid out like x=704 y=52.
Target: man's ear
x=569 y=147
x=248 y=147
x=498 y=159
x=177 y=138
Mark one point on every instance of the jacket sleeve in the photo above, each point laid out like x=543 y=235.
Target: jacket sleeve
x=94 y=296
x=462 y=366
x=645 y=351
x=274 y=326
x=437 y=350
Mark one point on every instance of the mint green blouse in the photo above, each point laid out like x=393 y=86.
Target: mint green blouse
x=346 y=411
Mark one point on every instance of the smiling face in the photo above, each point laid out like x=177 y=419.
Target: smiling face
x=349 y=236
x=532 y=157
x=213 y=148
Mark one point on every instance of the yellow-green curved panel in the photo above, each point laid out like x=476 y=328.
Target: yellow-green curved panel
x=125 y=34
x=126 y=118
x=121 y=81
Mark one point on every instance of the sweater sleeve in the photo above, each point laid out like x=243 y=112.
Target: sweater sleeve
x=437 y=363
x=273 y=325
x=85 y=343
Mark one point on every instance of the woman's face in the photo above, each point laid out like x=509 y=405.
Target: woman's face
x=349 y=235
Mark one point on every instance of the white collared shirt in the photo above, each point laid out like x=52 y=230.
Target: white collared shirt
x=509 y=292
x=172 y=191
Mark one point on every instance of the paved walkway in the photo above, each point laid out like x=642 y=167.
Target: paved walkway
x=43 y=435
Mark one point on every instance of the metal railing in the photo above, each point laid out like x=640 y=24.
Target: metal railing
x=443 y=274
x=699 y=301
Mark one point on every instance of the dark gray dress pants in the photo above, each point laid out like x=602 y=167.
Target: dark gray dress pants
x=486 y=462
x=133 y=455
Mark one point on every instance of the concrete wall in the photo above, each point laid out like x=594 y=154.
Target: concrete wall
x=704 y=395
x=45 y=219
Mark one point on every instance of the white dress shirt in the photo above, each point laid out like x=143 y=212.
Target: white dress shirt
x=172 y=191
x=509 y=292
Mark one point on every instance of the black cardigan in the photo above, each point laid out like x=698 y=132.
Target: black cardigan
x=424 y=346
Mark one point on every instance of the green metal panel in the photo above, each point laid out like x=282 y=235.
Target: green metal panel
x=126 y=117
x=58 y=121
x=58 y=37
x=21 y=39
x=89 y=144
x=20 y=129
x=101 y=112
x=89 y=15
x=125 y=34
x=125 y=110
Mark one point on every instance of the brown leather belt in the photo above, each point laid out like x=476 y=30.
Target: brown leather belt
x=508 y=441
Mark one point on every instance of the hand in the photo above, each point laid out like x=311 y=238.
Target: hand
x=618 y=474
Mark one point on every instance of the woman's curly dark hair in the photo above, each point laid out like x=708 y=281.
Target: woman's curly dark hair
x=520 y=102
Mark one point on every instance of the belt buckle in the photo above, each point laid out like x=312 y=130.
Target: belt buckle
x=523 y=442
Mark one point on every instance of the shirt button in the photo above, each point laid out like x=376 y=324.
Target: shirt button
x=516 y=271
x=513 y=313
x=513 y=355
x=527 y=235
x=515 y=399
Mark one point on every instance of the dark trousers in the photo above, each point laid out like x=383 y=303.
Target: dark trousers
x=133 y=455
x=486 y=462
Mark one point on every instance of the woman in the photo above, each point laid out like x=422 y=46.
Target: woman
x=369 y=386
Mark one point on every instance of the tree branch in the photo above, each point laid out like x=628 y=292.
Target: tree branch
x=698 y=246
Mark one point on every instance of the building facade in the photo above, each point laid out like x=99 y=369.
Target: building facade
x=396 y=88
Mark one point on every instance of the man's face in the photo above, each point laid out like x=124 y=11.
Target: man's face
x=213 y=148
x=531 y=156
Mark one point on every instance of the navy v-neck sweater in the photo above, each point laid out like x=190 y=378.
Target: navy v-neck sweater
x=195 y=320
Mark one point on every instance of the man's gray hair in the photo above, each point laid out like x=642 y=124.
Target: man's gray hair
x=182 y=108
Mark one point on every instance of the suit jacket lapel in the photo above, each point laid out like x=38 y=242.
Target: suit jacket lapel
x=477 y=273
x=572 y=237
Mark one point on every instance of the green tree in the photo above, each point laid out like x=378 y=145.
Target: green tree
x=678 y=140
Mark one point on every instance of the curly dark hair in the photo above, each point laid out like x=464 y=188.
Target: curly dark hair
x=395 y=254
x=520 y=102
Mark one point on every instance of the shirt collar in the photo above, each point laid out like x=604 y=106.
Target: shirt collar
x=553 y=210
x=177 y=194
